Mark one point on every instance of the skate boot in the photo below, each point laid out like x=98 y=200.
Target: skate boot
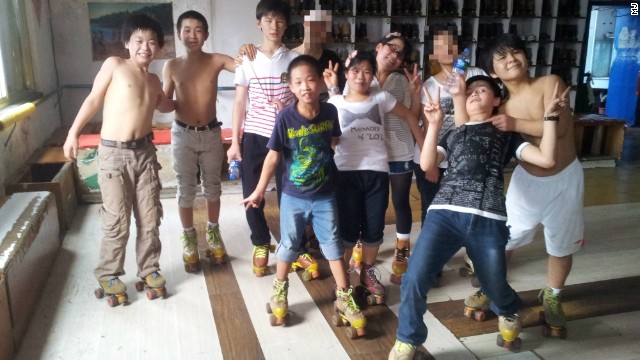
x=260 y=259
x=349 y=314
x=468 y=271
x=552 y=316
x=402 y=351
x=278 y=305
x=216 y=252
x=509 y=326
x=373 y=289
x=190 y=251
x=309 y=264
x=154 y=283
x=400 y=259
x=356 y=256
x=115 y=290
x=476 y=305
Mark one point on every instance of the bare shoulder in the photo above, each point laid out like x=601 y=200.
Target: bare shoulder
x=548 y=83
x=112 y=62
x=220 y=60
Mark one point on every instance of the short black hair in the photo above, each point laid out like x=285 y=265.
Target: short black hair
x=500 y=45
x=192 y=14
x=275 y=7
x=489 y=80
x=139 y=21
x=362 y=56
x=305 y=60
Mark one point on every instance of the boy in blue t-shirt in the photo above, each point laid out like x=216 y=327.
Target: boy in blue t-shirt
x=304 y=135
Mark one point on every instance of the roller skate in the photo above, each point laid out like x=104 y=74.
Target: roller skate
x=216 y=252
x=260 y=259
x=348 y=314
x=509 y=326
x=310 y=238
x=309 y=264
x=468 y=271
x=154 y=283
x=552 y=316
x=278 y=305
x=370 y=287
x=476 y=306
x=400 y=259
x=115 y=290
x=356 y=256
x=190 y=251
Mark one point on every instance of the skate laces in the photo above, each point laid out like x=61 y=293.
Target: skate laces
x=373 y=274
x=511 y=319
x=189 y=238
x=553 y=301
x=401 y=255
x=349 y=301
x=114 y=281
x=307 y=257
x=403 y=348
x=280 y=288
x=260 y=252
x=214 y=237
x=479 y=294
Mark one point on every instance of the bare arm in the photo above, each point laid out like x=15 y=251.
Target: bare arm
x=167 y=104
x=415 y=84
x=237 y=119
x=268 y=169
x=90 y=106
x=461 y=116
x=226 y=62
x=330 y=75
x=544 y=155
x=412 y=120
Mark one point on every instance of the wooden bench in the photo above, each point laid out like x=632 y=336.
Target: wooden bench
x=598 y=137
x=29 y=242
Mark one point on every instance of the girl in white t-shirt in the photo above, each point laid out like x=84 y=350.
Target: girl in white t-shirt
x=362 y=161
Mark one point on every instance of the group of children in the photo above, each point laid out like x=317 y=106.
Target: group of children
x=335 y=161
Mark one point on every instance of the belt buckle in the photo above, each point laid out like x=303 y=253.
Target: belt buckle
x=133 y=144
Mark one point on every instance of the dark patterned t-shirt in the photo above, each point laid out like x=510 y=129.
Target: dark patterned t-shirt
x=305 y=145
x=474 y=181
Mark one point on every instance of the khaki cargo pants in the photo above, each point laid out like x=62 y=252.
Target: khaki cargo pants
x=129 y=181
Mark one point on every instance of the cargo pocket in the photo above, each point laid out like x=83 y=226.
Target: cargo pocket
x=110 y=224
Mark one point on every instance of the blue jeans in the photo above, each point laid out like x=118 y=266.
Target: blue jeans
x=294 y=216
x=444 y=232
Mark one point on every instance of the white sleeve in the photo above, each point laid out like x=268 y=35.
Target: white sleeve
x=240 y=77
x=520 y=148
x=387 y=101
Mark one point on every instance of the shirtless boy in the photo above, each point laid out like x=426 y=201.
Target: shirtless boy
x=130 y=95
x=552 y=197
x=195 y=134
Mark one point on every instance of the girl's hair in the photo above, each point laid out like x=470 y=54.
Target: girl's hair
x=305 y=60
x=142 y=22
x=406 y=52
x=192 y=14
x=362 y=56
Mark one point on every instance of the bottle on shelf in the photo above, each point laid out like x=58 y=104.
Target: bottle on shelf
x=459 y=67
x=234 y=170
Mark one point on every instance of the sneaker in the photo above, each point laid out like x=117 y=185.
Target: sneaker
x=402 y=351
x=214 y=239
x=113 y=286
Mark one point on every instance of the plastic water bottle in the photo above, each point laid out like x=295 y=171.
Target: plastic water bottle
x=459 y=67
x=234 y=170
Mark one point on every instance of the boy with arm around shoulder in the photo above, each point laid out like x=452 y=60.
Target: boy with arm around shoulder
x=196 y=142
x=130 y=95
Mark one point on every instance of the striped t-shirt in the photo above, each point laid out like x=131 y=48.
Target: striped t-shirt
x=266 y=79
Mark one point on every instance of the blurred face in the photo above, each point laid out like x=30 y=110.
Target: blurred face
x=480 y=98
x=316 y=31
x=272 y=27
x=192 y=34
x=509 y=64
x=305 y=84
x=445 y=49
x=390 y=56
x=359 y=77
x=143 y=46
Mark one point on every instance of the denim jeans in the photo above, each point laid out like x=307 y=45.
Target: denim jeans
x=444 y=232
x=294 y=216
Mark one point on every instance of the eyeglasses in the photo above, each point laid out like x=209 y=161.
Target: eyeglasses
x=396 y=50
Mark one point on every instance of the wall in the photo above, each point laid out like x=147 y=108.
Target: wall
x=231 y=23
x=18 y=143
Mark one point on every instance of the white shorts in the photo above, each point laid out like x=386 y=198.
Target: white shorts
x=557 y=202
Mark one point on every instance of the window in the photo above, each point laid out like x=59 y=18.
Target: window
x=16 y=71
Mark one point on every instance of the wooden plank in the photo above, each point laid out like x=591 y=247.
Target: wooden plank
x=580 y=301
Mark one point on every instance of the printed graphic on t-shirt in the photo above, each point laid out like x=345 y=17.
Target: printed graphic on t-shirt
x=312 y=158
x=365 y=126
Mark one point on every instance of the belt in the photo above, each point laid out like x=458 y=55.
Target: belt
x=133 y=144
x=212 y=125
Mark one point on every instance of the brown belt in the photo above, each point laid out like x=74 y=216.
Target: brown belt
x=133 y=144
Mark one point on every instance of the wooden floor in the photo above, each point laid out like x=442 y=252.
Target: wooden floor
x=220 y=312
